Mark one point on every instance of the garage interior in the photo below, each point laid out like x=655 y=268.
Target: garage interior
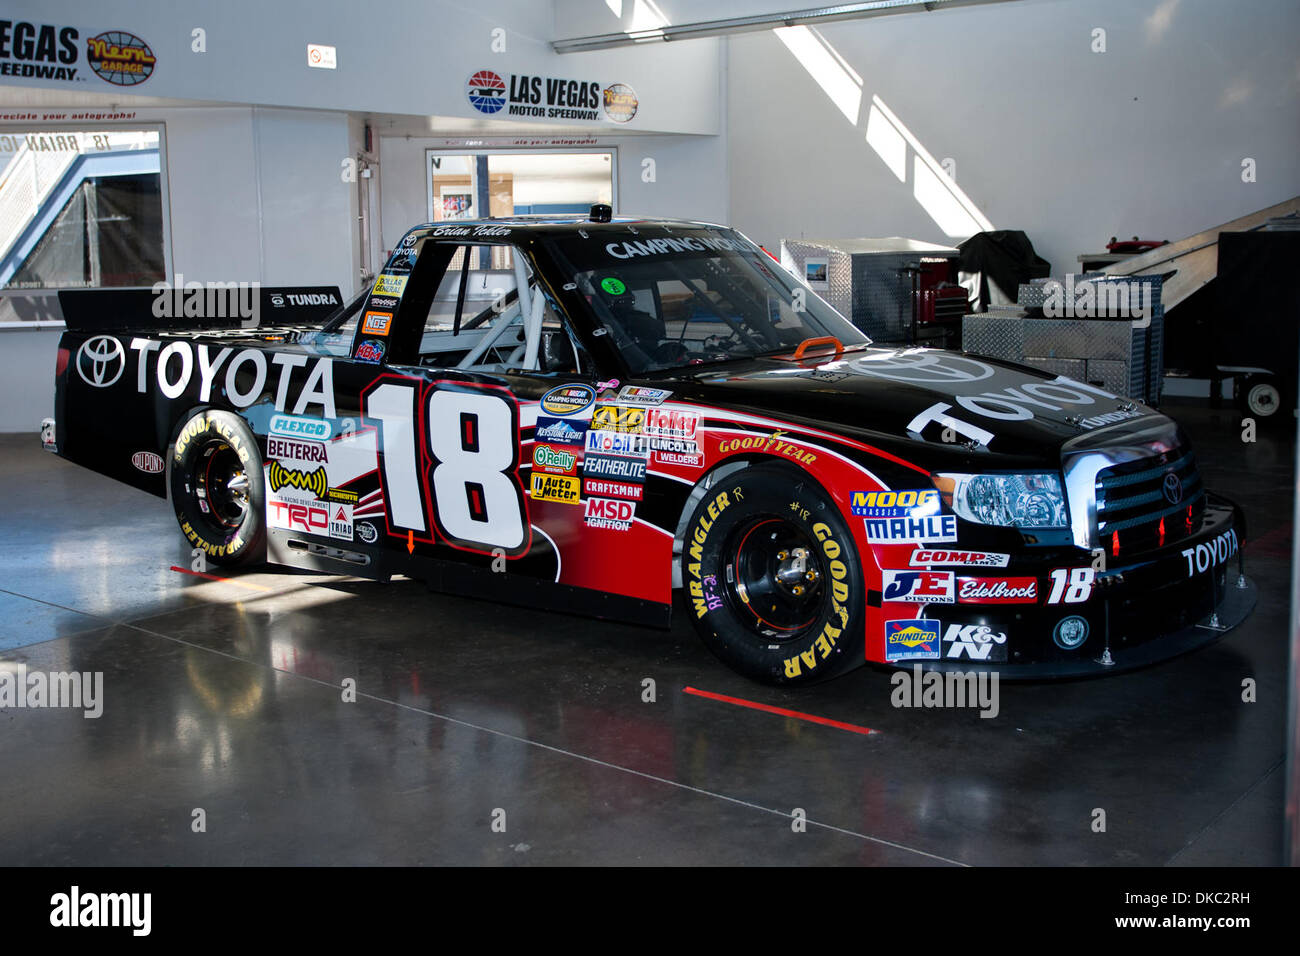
x=319 y=719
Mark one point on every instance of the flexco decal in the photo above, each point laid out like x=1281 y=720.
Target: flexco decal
x=292 y=426
x=925 y=557
x=101 y=361
x=997 y=590
x=917 y=587
x=147 y=462
x=314 y=481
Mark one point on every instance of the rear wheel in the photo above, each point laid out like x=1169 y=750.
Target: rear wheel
x=772 y=577
x=1260 y=396
x=218 y=489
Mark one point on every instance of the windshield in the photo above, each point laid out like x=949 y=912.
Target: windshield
x=694 y=296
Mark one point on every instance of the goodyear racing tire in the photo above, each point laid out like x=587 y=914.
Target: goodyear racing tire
x=218 y=489
x=773 y=582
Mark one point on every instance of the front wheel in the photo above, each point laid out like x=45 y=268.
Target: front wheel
x=218 y=489
x=773 y=582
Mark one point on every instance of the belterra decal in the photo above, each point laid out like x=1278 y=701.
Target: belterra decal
x=121 y=58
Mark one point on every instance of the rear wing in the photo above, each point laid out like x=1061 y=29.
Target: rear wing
x=213 y=305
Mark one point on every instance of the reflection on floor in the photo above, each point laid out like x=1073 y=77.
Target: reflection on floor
x=226 y=699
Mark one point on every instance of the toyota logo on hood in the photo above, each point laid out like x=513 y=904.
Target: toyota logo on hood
x=1173 y=488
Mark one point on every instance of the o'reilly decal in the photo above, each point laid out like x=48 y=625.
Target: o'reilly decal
x=43 y=51
x=549 y=97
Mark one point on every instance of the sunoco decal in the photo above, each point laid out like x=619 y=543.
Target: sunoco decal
x=912 y=640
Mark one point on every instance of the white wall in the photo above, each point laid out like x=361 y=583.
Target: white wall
x=1069 y=145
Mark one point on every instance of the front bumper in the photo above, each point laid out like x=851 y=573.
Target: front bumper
x=1140 y=611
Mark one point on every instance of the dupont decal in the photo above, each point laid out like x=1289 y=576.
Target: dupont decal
x=613 y=466
x=911 y=530
x=1213 y=553
x=925 y=557
x=555 y=461
x=148 y=462
x=977 y=642
x=997 y=590
x=561 y=431
x=916 y=640
x=609 y=513
x=121 y=58
x=559 y=488
x=291 y=426
x=917 y=587
x=895 y=504
x=377 y=323
x=567 y=400
x=389 y=285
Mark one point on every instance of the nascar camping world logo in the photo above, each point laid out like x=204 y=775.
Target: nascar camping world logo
x=486 y=91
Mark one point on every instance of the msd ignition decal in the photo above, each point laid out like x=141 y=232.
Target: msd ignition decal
x=917 y=587
x=561 y=431
x=554 y=461
x=916 y=640
x=1211 y=554
x=975 y=641
x=566 y=400
x=609 y=513
x=997 y=590
x=247 y=374
x=925 y=557
x=449 y=467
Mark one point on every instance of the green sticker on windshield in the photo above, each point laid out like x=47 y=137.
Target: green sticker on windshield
x=613 y=286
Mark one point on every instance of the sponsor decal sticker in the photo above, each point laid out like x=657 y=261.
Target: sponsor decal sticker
x=620 y=102
x=559 y=488
x=389 y=285
x=636 y=395
x=917 y=587
x=560 y=430
x=372 y=353
x=613 y=466
x=613 y=285
x=925 y=557
x=768 y=444
x=600 y=488
x=997 y=590
x=1211 y=554
x=615 y=418
x=147 y=462
x=367 y=532
x=340 y=521
x=311 y=451
x=298 y=513
x=565 y=400
x=916 y=640
x=609 y=513
x=665 y=423
x=618 y=443
x=687 y=459
x=939 y=528
x=554 y=461
x=895 y=504
x=383 y=302
x=294 y=426
x=314 y=481
x=377 y=323
x=975 y=641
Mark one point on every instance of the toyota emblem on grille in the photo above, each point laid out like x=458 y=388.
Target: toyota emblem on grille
x=100 y=361
x=1173 y=488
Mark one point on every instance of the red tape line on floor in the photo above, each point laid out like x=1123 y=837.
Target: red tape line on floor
x=213 y=577
x=753 y=705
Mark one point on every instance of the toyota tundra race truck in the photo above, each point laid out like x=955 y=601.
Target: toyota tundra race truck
x=593 y=415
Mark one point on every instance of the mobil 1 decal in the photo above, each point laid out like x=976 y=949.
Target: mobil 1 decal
x=449 y=463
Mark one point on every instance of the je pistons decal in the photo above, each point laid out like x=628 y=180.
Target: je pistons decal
x=912 y=640
x=565 y=400
x=917 y=587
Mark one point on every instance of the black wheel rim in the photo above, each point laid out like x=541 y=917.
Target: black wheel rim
x=775 y=578
x=221 y=487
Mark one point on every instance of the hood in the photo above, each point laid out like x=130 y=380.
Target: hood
x=949 y=400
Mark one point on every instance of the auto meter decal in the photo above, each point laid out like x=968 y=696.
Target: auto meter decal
x=567 y=400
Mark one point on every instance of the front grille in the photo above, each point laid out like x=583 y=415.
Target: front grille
x=1139 y=507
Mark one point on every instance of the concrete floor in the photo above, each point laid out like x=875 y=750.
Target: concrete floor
x=225 y=697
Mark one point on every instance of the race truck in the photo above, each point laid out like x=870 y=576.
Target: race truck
x=620 y=417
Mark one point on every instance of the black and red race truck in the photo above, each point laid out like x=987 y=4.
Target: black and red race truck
x=593 y=415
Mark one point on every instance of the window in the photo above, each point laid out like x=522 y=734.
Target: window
x=485 y=184
x=81 y=209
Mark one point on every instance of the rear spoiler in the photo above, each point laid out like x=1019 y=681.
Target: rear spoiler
x=198 y=306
